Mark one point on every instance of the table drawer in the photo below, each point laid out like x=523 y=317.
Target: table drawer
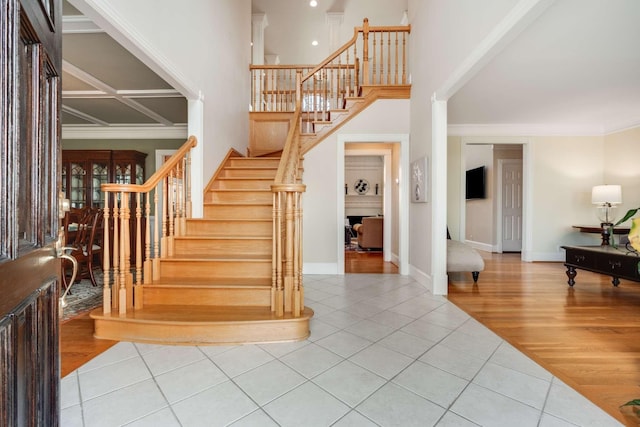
x=581 y=258
x=620 y=267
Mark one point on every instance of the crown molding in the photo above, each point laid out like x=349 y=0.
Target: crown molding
x=78 y=24
x=525 y=130
x=124 y=132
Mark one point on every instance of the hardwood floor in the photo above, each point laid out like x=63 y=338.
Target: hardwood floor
x=77 y=344
x=367 y=262
x=588 y=335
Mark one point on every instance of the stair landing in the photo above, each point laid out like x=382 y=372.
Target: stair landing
x=201 y=325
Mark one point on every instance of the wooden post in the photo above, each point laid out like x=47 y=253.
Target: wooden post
x=365 y=52
x=106 y=253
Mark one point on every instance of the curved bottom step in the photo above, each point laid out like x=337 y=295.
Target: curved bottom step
x=201 y=325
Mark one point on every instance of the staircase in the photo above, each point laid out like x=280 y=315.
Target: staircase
x=235 y=275
x=216 y=285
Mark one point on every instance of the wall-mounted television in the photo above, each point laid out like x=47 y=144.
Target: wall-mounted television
x=475 y=186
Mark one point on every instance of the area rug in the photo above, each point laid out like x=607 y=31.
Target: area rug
x=83 y=297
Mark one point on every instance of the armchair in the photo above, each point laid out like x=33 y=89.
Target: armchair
x=370 y=232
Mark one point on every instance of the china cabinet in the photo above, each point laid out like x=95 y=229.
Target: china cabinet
x=84 y=171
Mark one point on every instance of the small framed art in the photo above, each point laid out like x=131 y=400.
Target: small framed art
x=419 y=171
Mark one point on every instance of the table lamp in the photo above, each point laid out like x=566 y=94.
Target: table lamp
x=606 y=197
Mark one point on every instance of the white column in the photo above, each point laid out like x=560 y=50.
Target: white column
x=334 y=21
x=196 y=128
x=258 y=23
x=439 y=196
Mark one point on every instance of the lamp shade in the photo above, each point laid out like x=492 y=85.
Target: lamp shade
x=606 y=194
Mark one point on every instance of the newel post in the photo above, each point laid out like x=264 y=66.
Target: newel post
x=365 y=51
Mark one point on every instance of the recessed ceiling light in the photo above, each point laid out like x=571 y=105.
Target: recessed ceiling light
x=314 y=43
x=313 y=3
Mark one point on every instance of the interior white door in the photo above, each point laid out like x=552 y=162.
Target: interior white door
x=512 y=206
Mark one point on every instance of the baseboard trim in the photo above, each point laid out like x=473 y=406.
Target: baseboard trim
x=421 y=277
x=320 y=268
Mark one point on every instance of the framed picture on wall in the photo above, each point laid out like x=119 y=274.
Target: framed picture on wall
x=419 y=170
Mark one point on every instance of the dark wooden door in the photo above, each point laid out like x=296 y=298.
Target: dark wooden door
x=30 y=67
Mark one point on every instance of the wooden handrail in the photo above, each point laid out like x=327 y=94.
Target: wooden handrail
x=158 y=175
x=124 y=272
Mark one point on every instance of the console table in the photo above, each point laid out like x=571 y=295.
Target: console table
x=604 y=231
x=617 y=262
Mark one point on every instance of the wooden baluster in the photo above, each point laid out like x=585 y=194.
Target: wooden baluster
x=278 y=238
x=388 y=58
x=115 y=288
x=274 y=252
x=187 y=180
x=156 y=232
x=171 y=202
x=300 y=254
x=272 y=95
x=122 y=291
x=296 y=254
x=374 y=66
x=404 y=58
x=137 y=294
x=165 y=214
x=365 y=52
x=288 y=252
x=315 y=97
x=339 y=83
x=106 y=254
x=397 y=76
x=253 y=90
x=347 y=92
x=148 y=261
x=126 y=241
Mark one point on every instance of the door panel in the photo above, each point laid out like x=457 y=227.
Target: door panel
x=512 y=206
x=30 y=63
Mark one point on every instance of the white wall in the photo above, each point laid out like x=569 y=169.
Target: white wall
x=564 y=170
x=444 y=33
x=479 y=214
x=202 y=47
x=320 y=176
x=620 y=153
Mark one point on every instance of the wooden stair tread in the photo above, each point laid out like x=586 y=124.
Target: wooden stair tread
x=234 y=203
x=192 y=314
x=231 y=257
x=244 y=178
x=240 y=190
x=223 y=237
x=217 y=281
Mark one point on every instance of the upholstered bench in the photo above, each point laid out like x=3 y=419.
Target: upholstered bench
x=462 y=257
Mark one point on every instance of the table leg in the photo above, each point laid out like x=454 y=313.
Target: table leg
x=571 y=274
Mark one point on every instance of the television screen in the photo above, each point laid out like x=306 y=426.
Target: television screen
x=475 y=183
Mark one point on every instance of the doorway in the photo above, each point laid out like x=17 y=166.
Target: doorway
x=394 y=149
x=503 y=213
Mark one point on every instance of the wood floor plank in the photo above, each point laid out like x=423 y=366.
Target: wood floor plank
x=588 y=335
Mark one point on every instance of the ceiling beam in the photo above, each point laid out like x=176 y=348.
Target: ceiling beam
x=108 y=90
x=83 y=116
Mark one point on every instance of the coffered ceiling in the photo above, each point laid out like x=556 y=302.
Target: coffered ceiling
x=105 y=89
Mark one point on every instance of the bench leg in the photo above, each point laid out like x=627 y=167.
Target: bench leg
x=475 y=275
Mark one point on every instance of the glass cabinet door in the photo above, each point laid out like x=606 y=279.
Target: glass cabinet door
x=123 y=173
x=78 y=190
x=99 y=176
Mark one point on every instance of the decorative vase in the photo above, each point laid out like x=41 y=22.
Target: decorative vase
x=634 y=234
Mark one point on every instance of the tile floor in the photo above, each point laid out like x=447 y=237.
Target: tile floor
x=382 y=352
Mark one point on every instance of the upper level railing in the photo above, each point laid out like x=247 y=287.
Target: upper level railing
x=172 y=183
x=374 y=56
